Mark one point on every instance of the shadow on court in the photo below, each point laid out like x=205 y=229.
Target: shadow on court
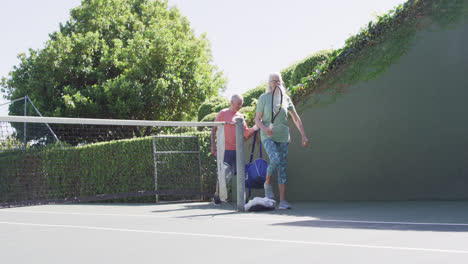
x=434 y=227
x=219 y=210
x=435 y=216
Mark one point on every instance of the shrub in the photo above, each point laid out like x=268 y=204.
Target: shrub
x=294 y=73
x=212 y=105
x=252 y=95
x=210 y=117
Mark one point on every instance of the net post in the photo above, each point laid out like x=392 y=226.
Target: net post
x=220 y=147
x=24 y=124
x=199 y=168
x=240 y=164
x=155 y=162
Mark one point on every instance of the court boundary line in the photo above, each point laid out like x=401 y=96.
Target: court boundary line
x=282 y=218
x=241 y=238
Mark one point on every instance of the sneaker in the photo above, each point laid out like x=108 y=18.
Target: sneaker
x=216 y=200
x=268 y=191
x=284 y=205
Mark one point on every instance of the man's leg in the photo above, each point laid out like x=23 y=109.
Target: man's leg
x=230 y=158
x=216 y=199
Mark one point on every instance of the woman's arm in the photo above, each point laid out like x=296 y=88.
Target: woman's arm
x=259 y=123
x=298 y=122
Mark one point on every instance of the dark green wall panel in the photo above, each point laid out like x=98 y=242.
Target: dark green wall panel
x=403 y=136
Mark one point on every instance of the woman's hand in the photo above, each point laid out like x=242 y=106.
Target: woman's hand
x=269 y=131
x=305 y=141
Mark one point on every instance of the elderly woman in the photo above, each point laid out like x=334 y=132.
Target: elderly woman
x=272 y=119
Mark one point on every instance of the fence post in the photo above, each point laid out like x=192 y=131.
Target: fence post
x=24 y=124
x=240 y=164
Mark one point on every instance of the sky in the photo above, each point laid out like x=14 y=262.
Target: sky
x=249 y=38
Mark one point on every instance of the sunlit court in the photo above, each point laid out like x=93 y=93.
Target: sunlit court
x=249 y=131
x=358 y=232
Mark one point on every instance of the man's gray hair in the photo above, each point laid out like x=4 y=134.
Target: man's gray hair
x=236 y=97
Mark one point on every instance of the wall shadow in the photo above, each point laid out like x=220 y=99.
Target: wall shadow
x=434 y=216
x=433 y=227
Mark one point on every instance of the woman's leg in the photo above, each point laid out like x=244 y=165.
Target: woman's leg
x=282 y=178
x=272 y=151
x=271 y=148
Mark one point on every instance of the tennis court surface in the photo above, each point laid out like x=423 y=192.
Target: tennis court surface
x=313 y=232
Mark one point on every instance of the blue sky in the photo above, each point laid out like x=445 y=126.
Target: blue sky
x=249 y=38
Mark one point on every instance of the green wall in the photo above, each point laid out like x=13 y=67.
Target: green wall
x=403 y=136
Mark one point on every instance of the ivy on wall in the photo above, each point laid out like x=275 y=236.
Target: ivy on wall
x=380 y=44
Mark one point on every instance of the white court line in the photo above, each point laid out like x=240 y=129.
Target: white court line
x=91 y=214
x=243 y=238
x=358 y=221
x=154 y=215
x=269 y=218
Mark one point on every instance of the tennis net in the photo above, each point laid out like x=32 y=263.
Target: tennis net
x=61 y=160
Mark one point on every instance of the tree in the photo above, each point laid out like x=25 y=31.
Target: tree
x=132 y=59
x=123 y=59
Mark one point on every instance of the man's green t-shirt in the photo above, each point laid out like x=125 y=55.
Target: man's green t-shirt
x=280 y=125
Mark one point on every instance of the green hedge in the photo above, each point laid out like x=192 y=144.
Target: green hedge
x=212 y=105
x=381 y=43
x=293 y=74
x=114 y=167
x=21 y=176
x=210 y=117
x=251 y=96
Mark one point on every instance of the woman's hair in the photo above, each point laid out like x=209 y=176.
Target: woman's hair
x=269 y=88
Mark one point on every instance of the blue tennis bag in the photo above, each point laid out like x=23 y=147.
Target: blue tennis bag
x=255 y=173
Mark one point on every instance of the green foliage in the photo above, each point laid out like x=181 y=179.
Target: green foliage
x=286 y=74
x=249 y=114
x=295 y=72
x=251 y=96
x=210 y=117
x=368 y=54
x=126 y=59
x=10 y=143
x=365 y=56
x=250 y=103
x=212 y=105
x=17 y=183
x=115 y=167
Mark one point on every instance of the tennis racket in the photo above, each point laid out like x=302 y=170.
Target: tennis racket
x=276 y=103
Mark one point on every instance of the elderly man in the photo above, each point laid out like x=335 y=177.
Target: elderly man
x=229 y=115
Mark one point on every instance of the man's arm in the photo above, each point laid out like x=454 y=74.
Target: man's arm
x=248 y=132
